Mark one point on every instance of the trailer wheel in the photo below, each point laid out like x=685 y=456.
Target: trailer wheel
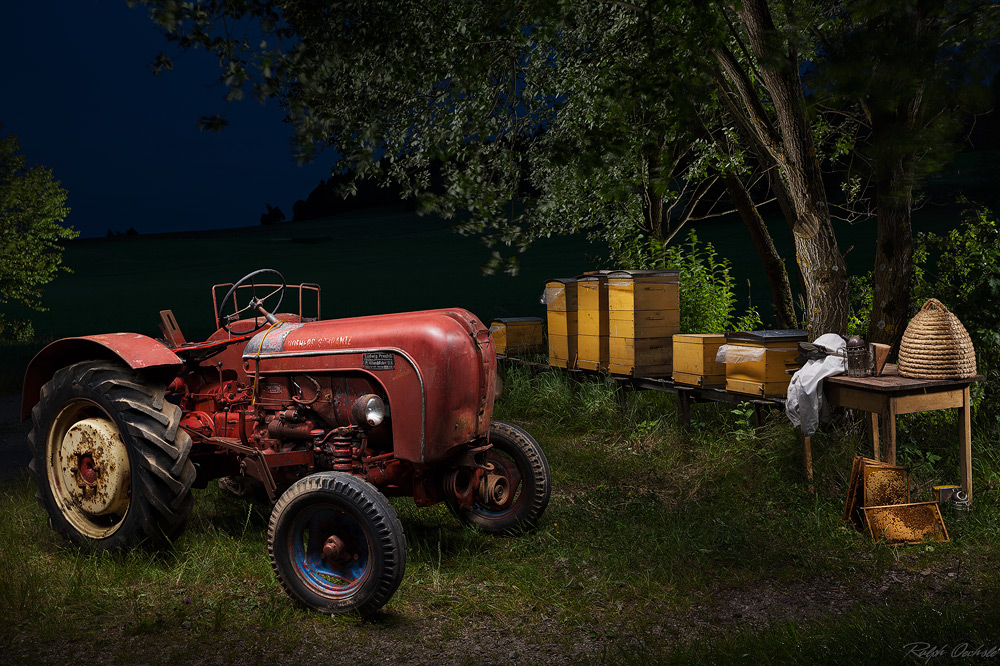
x=515 y=493
x=108 y=458
x=336 y=544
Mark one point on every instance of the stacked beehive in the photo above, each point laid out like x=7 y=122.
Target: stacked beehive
x=643 y=315
x=592 y=320
x=561 y=312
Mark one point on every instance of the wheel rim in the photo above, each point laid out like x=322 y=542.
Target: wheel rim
x=510 y=493
x=88 y=469
x=331 y=552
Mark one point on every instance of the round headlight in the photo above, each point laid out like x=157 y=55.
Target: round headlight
x=368 y=410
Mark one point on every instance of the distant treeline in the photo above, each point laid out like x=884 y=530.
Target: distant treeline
x=326 y=200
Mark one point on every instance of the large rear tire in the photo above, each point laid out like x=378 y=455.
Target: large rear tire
x=109 y=460
x=336 y=544
x=520 y=461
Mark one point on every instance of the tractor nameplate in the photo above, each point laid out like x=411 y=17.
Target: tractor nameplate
x=379 y=361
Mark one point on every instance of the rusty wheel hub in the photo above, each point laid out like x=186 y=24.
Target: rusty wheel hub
x=494 y=489
x=335 y=551
x=89 y=465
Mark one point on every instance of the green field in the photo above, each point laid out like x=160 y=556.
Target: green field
x=371 y=262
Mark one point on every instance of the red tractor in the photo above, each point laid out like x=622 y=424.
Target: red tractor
x=326 y=418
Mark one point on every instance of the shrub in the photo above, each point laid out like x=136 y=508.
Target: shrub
x=707 y=299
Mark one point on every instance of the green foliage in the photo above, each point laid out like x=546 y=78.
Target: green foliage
x=707 y=297
x=860 y=304
x=962 y=270
x=32 y=209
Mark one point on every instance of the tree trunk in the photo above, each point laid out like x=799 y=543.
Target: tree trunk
x=820 y=261
x=774 y=266
x=893 y=272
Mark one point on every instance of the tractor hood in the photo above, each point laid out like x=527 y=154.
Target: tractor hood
x=438 y=369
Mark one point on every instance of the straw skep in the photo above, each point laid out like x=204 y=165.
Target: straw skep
x=936 y=345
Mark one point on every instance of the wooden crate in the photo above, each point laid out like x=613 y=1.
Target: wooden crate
x=756 y=361
x=694 y=359
x=514 y=335
x=561 y=313
x=592 y=318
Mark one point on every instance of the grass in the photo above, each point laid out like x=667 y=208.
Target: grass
x=659 y=546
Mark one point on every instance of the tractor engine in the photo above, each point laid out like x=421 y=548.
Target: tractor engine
x=298 y=424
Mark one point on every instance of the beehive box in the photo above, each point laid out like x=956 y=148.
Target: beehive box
x=694 y=360
x=517 y=335
x=560 y=300
x=756 y=361
x=643 y=314
x=592 y=320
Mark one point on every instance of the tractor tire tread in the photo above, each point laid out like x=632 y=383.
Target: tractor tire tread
x=374 y=505
x=161 y=449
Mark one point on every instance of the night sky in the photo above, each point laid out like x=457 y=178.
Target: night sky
x=77 y=89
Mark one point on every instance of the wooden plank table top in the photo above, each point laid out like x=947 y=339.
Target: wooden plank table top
x=889 y=395
x=891 y=382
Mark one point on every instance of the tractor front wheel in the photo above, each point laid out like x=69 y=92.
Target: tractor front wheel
x=108 y=458
x=515 y=490
x=336 y=544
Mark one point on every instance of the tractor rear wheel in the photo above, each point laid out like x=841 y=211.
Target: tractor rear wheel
x=517 y=487
x=108 y=458
x=336 y=544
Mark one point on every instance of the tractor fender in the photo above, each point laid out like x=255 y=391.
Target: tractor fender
x=137 y=351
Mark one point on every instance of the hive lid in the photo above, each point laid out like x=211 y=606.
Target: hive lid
x=784 y=335
x=645 y=275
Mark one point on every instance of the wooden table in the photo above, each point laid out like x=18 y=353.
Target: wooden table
x=887 y=396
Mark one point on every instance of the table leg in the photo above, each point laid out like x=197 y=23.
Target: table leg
x=965 y=442
x=890 y=433
x=873 y=425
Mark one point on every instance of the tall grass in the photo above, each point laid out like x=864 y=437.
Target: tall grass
x=660 y=545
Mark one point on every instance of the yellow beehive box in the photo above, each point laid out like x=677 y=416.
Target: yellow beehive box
x=756 y=361
x=592 y=291
x=560 y=295
x=592 y=352
x=694 y=359
x=513 y=335
x=562 y=351
x=631 y=291
x=592 y=318
x=560 y=300
x=644 y=323
x=563 y=323
x=643 y=357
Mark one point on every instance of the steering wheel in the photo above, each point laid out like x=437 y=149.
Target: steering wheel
x=255 y=303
